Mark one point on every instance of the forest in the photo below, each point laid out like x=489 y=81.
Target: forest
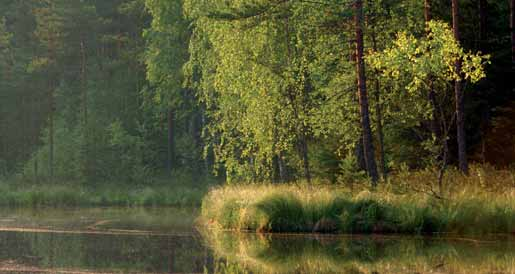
x=257 y=136
x=186 y=92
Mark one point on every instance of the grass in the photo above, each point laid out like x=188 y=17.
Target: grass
x=482 y=203
x=70 y=195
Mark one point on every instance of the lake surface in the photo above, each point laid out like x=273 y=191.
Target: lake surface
x=165 y=241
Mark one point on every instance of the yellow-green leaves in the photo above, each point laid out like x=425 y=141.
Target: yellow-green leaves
x=432 y=56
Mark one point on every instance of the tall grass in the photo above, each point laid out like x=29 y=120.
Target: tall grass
x=70 y=195
x=468 y=205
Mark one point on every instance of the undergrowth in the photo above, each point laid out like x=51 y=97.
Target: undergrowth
x=69 y=195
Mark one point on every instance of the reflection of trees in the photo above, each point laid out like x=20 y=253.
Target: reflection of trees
x=126 y=253
x=15 y=246
x=311 y=254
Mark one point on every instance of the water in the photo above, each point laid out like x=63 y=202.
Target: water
x=165 y=241
x=101 y=241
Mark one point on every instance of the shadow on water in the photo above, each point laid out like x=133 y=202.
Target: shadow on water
x=253 y=253
x=165 y=241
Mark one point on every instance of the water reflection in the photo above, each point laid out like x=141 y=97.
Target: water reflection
x=165 y=241
x=359 y=254
x=101 y=241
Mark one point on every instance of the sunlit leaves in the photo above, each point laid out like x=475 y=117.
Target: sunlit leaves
x=432 y=56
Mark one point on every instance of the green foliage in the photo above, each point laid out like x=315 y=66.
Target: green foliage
x=254 y=90
x=131 y=151
x=433 y=56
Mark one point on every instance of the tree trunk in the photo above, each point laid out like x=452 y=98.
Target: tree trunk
x=434 y=123
x=283 y=172
x=360 y=154
x=171 y=150
x=36 y=176
x=380 y=134
x=305 y=157
x=483 y=46
x=51 y=136
x=460 y=98
x=483 y=21
x=280 y=175
x=379 y=118
x=358 y=151
x=512 y=22
x=362 y=95
x=304 y=129
x=83 y=81
x=427 y=11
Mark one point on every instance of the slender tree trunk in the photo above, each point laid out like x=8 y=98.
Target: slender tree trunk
x=305 y=158
x=445 y=149
x=460 y=98
x=52 y=109
x=483 y=44
x=358 y=150
x=275 y=169
x=283 y=172
x=83 y=81
x=427 y=11
x=379 y=117
x=434 y=123
x=36 y=176
x=512 y=27
x=208 y=152
x=380 y=134
x=280 y=175
x=51 y=136
x=362 y=95
x=85 y=146
x=483 y=21
x=304 y=134
x=171 y=150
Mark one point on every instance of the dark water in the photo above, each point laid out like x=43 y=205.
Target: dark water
x=101 y=241
x=165 y=241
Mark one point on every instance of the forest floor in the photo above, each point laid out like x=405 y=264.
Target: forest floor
x=411 y=203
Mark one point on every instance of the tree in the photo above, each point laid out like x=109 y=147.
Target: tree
x=459 y=97
x=512 y=27
x=166 y=53
x=256 y=86
x=49 y=31
x=362 y=94
x=483 y=22
x=412 y=60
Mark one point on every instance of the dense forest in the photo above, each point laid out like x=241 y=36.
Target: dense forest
x=133 y=91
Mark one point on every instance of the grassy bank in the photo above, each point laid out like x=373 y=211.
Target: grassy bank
x=70 y=195
x=478 y=204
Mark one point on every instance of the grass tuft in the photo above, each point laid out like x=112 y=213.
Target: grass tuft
x=474 y=209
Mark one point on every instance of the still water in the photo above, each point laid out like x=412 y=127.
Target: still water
x=166 y=241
